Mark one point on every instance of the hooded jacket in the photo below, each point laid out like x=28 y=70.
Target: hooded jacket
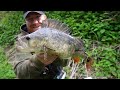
x=26 y=66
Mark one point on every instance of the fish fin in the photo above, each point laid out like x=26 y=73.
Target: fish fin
x=79 y=43
x=89 y=63
x=51 y=23
x=80 y=50
x=76 y=59
x=79 y=46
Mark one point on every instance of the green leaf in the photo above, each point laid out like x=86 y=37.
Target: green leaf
x=102 y=31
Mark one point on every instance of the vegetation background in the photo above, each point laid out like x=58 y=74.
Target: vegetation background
x=100 y=31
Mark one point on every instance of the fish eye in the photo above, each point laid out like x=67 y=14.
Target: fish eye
x=28 y=38
x=32 y=53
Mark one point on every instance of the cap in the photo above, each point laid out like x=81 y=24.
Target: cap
x=27 y=12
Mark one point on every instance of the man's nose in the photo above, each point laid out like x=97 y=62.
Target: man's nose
x=40 y=21
x=35 y=21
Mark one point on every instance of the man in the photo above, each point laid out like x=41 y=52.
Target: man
x=27 y=66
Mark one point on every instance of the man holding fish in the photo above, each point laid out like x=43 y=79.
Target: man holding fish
x=43 y=48
x=29 y=66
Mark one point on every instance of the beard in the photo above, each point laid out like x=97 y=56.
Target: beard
x=36 y=28
x=32 y=29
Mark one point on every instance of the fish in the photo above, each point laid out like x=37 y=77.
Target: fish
x=53 y=41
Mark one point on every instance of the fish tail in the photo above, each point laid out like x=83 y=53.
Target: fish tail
x=80 y=50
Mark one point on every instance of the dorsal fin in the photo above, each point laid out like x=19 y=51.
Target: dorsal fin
x=51 y=23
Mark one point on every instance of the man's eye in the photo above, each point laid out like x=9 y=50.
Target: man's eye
x=30 y=19
x=37 y=17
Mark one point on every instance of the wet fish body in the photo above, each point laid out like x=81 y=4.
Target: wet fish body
x=50 y=40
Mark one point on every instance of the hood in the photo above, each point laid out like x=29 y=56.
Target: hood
x=23 y=29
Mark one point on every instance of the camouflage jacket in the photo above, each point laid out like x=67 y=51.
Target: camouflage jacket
x=25 y=65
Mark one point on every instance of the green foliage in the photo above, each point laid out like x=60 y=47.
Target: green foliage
x=99 y=30
x=10 y=23
x=107 y=63
x=6 y=71
x=9 y=27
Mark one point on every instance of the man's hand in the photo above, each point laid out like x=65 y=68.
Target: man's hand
x=48 y=59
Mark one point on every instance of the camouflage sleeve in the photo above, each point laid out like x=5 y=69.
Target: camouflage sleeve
x=25 y=65
x=28 y=69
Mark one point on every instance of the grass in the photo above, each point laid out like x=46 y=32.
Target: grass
x=8 y=30
x=6 y=70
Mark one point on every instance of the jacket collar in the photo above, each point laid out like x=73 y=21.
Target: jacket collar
x=24 y=29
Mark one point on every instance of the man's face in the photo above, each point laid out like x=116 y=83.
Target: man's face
x=34 y=21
